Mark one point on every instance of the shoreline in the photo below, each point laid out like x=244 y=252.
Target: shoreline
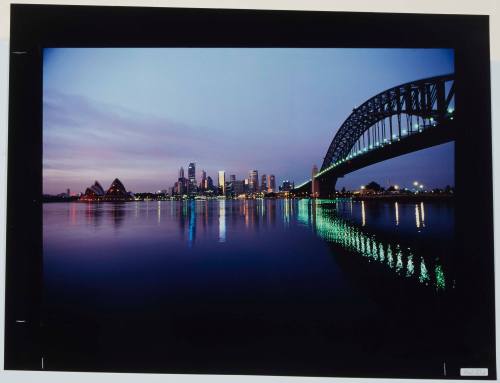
x=382 y=198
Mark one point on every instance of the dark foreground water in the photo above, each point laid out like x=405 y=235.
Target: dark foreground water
x=289 y=287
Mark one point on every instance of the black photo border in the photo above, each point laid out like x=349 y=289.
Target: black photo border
x=34 y=27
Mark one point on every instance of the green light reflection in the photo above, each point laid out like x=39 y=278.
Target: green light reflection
x=320 y=216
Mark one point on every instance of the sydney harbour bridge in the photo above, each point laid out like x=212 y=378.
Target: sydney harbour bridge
x=400 y=120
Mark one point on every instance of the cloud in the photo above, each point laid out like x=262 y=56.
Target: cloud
x=81 y=136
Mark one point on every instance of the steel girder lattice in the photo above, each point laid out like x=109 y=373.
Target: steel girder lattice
x=390 y=116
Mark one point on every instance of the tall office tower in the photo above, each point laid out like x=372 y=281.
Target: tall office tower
x=192 y=175
x=210 y=183
x=271 y=183
x=181 y=172
x=314 y=183
x=222 y=181
x=286 y=186
x=253 y=180
x=180 y=186
x=246 y=185
x=238 y=187
x=232 y=178
x=263 y=183
x=203 y=183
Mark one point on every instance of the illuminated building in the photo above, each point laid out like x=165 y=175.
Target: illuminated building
x=117 y=192
x=239 y=187
x=222 y=181
x=271 y=183
x=263 y=183
x=203 y=183
x=253 y=181
x=286 y=186
x=192 y=177
x=210 y=183
x=94 y=192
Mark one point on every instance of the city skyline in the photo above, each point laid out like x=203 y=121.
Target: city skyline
x=232 y=109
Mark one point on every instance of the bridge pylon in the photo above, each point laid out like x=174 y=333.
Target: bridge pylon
x=326 y=185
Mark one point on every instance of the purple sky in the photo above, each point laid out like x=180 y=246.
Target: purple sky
x=140 y=114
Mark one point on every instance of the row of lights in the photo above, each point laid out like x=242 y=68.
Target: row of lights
x=415 y=183
x=394 y=136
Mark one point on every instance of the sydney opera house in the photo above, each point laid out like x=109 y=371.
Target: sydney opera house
x=116 y=192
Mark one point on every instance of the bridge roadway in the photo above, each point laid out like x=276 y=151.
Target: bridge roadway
x=429 y=137
x=400 y=120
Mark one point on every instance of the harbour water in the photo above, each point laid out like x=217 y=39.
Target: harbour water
x=287 y=286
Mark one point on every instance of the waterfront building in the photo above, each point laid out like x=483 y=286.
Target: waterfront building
x=203 y=183
x=94 y=192
x=117 y=192
x=210 y=183
x=222 y=181
x=271 y=183
x=181 y=186
x=286 y=186
x=253 y=181
x=181 y=172
x=263 y=183
x=238 y=187
x=192 y=177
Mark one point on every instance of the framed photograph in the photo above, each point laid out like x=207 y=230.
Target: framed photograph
x=209 y=191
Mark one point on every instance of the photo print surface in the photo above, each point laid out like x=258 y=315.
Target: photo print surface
x=278 y=211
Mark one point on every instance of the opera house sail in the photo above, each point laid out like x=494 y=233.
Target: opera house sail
x=116 y=192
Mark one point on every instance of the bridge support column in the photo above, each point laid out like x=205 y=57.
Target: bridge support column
x=326 y=185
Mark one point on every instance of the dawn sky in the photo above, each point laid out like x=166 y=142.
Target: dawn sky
x=140 y=114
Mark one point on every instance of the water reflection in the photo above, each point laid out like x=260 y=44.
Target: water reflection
x=378 y=232
x=322 y=218
x=422 y=213
x=222 y=220
x=396 y=209
x=158 y=210
x=192 y=223
x=363 y=214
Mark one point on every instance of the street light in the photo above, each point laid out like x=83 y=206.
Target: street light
x=415 y=183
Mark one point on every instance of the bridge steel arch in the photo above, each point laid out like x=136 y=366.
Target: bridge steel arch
x=391 y=115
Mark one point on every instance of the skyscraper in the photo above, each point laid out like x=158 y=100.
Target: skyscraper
x=263 y=183
x=314 y=183
x=286 y=186
x=222 y=181
x=238 y=187
x=203 y=183
x=271 y=183
x=192 y=176
x=209 y=183
x=253 y=180
x=181 y=184
x=232 y=178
